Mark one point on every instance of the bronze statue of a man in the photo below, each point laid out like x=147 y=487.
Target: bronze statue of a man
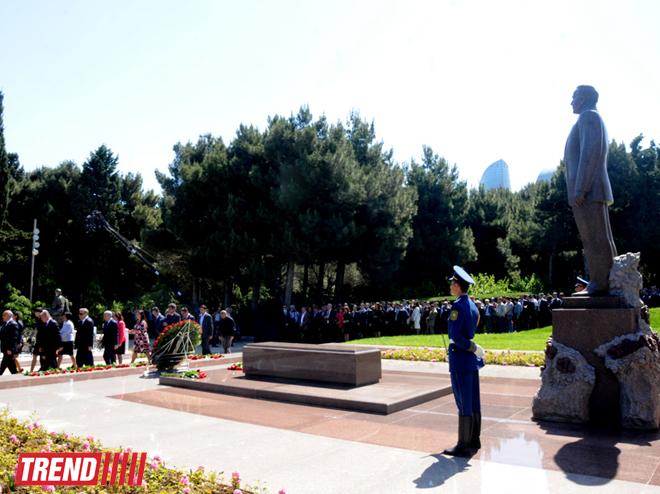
x=589 y=189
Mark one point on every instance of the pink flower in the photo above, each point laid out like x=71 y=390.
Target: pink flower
x=91 y=438
x=201 y=467
x=158 y=458
x=65 y=446
x=281 y=491
x=66 y=436
x=503 y=363
x=36 y=426
x=53 y=433
x=48 y=488
x=184 y=480
x=121 y=457
x=153 y=465
x=412 y=358
x=238 y=491
x=128 y=450
x=86 y=445
x=30 y=427
x=49 y=441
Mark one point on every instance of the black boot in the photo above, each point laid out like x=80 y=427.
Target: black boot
x=464 y=437
x=475 y=442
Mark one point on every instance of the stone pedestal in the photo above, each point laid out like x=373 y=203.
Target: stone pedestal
x=587 y=324
x=356 y=365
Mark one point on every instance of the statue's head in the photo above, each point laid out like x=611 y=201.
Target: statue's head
x=584 y=97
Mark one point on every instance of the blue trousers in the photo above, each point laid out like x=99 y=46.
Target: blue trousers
x=466 y=392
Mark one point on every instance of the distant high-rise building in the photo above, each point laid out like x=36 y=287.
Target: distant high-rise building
x=496 y=175
x=546 y=174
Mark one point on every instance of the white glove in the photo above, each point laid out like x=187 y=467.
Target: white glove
x=479 y=352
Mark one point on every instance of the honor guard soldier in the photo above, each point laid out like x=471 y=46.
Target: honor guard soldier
x=465 y=360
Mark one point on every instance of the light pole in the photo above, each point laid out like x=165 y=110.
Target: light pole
x=35 y=246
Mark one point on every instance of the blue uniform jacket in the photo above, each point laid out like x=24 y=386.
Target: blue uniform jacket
x=463 y=320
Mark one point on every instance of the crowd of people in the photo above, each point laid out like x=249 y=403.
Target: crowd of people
x=336 y=323
x=58 y=334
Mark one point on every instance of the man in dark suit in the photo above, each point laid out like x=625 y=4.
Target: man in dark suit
x=172 y=316
x=402 y=320
x=185 y=315
x=84 y=339
x=226 y=330
x=9 y=337
x=304 y=324
x=110 y=337
x=160 y=323
x=51 y=342
x=316 y=324
x=390 y=320
x=330 y=324
x=206 y=322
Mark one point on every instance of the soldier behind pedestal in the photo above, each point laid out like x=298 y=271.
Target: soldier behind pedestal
x=465 y=360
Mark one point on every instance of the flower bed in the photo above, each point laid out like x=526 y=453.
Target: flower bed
x=27 y=436
x=215 y=356
x=87 y=368
x=426 y=354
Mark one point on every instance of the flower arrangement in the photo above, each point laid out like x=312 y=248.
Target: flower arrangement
x=426 y=354
x=237 y=366
x=29 y=436
x=175 y=342
x=192 y=374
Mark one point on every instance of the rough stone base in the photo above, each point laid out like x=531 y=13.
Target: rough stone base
x=639 y=377
x=585 y=330
x=564 y=397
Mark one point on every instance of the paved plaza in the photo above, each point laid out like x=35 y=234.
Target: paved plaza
x=312 y=450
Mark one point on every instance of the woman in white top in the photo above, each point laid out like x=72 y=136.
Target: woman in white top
x=416 y=317
x=66 y=333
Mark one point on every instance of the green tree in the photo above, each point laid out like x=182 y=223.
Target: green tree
x=441 y=235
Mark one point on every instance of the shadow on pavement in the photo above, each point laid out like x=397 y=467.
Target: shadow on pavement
x=441 y=471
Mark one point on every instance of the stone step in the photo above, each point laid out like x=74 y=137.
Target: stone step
x=604 y=302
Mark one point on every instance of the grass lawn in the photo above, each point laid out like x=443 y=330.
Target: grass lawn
x=525 y=340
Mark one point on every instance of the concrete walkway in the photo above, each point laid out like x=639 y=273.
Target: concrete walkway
x=309 y=450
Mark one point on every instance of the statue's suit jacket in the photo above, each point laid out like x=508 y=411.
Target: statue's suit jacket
x=586 y=153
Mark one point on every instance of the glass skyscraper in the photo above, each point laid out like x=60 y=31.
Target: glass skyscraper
x=496 y=175
x=546 y=174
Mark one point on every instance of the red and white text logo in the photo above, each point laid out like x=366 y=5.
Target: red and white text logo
x=80 y=468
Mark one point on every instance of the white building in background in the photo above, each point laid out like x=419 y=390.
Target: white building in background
x=546 y=174
x=496 y=175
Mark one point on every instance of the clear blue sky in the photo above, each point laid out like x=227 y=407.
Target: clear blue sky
x=475 y=80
